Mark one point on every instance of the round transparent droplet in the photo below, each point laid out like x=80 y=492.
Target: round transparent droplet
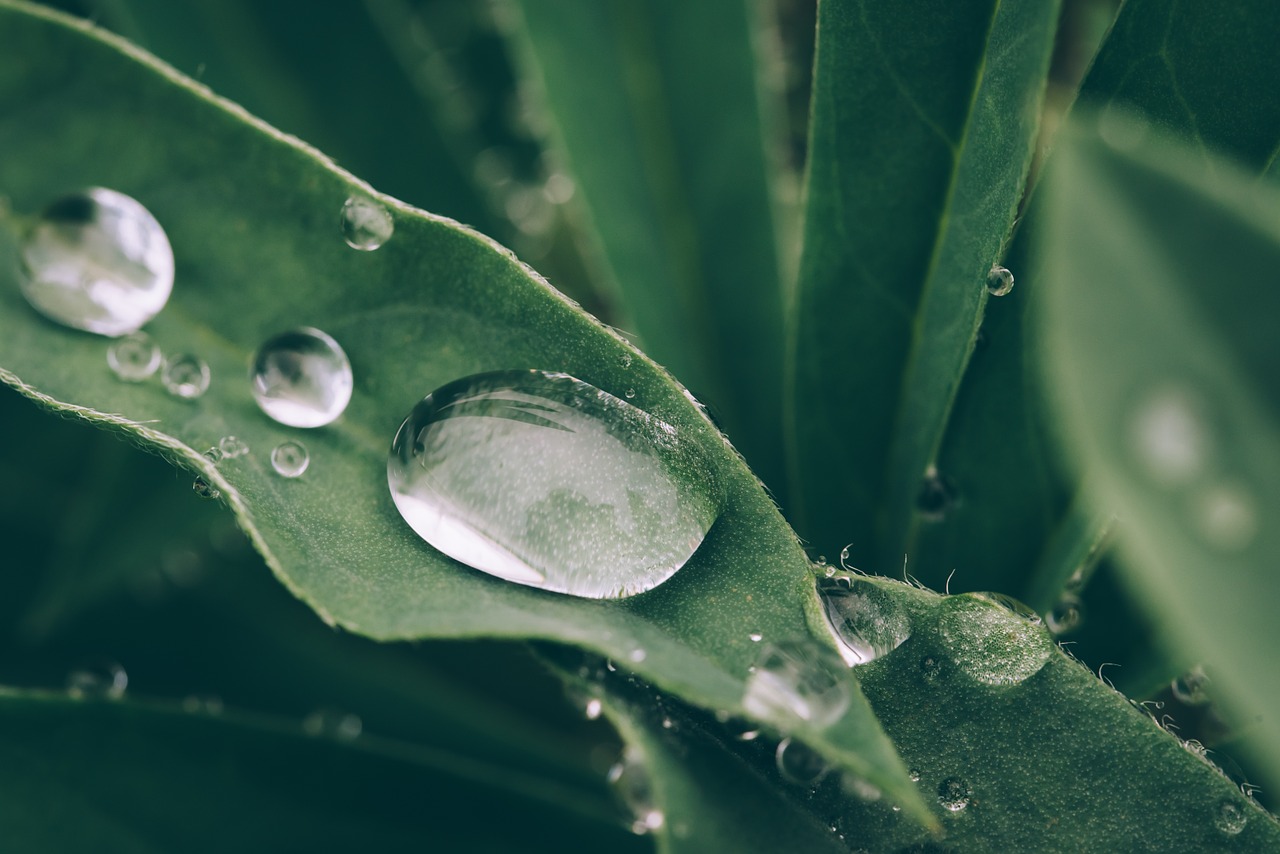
x=999 y=281
x=204 y=489
x=186 y=376
x=1231 y=818
x=800 y=764
x=797 y=680
x=1191 y=688
x=332 y=723
x=990 y=643
x=937 y=495
x=97 y=260
x=634 y=786
x=1066 y=615
x=366 y=224
x=290 y=459
x=544 y=480
x=863 y=618
x=98 y=680
x=954 y=794
x=930 y=667
x=233 y=447
x=135 y=357
x=301 y=378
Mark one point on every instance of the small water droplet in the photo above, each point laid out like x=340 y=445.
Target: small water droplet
x=233 y=447
x=631 y=393
x=798 y=680
x=800 y=764
x=989 y=643
x=301 y=378
x=366 y=224
x=638 y=655
x=97 y=260
x=625 y=360
x=1169 y=436
x=936 y=497
x=954 y=794
x=134 y=357
x=593 y=708
x=864 y=619
x=204 y=489
x=1191 y=688
x=186 y=376
x=914 y=775
x=332 y=723
x=756 y=637
x=1231 y=818
x=290 y=459
x=634 y=786
x=748 y=735
x=1066 y=615
x=533 y=476
x=999 y=281
x=930 y=667
x=98 y=680
x=1226 y=516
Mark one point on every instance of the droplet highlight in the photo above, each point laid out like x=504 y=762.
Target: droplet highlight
x=1191 y=688
x=799 y=763
x=936 y=496
x=1066 y=615
x=990 y=643
x=954 y=794
x=186 y=376
x=301 y=378
x=134 y=358
x=97 y=260
x=797 y=681
x=863 y=618
x=633 y=784
x=999 y=281
x=366 y=224
x=290 y=459
x=98 y=680
x=544 y=480
x=1169 y=436
x=233 y=447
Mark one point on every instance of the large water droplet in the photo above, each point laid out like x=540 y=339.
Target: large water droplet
x=101 y=680
x=98 y=261
x=1191 y=688
x=799 y=763
x=186 y=376
x=366 y=224
x=301 y=378
x=865 y=620
x=134 y=358
x=631 y=780
x=1169 y=436
x=954 y=794
x=542 y=479
x=989 y=642
x=1231 y=818
x=797 y=680
x=290 y=459
x=999 y=281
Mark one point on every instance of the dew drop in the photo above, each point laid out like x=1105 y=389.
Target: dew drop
x=97 y=260
x=999 y=281
x=936 y=497
x=204 y=489
x=366 y=224
x=186 y=376
x=756 y=637
x=914 y=774
x=301 y=378
x=799 y=763
x=1191 y=688
x=631 y=781
x=290 y=459
x=954 y=794
x=1169 y=438
x=1231 y=818
x=864 y=619
x=797 y=680
x=593 y=709
x=233 y=447
x=332 y=723
x=134 y=357
x=544 y=480
x=930 y=667
x=630 y=394
x=990 y=643
x=1066 y=615
x=99 y=680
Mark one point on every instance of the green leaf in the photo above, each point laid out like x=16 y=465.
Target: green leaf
x=1165 y=380
x=920 y=138
x=657 y=108
x=259 y=250
x=132 y=777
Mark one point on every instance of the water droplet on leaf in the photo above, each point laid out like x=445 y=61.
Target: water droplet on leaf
x=756 y=637
x=865 y=620
x=97 y=260
x=204 y=489
x=290 y=459
x=954 y=794
x=1066 y=615
x=301 y=378
x=186 y=376
x=232 y=447
x=800 y=764
x=999 y=281
x=99 y=680
x=366 y=224
x=542 y=479
x=1231 y=818
x=989 y=643
x=797 y=680
x=631 y=780
x=134 y=357
x=936 y=497
x=1191 y=688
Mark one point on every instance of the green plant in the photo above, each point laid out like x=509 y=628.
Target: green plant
x=845 y=342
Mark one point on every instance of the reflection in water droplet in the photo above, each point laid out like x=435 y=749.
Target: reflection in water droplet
x=1191 y=688
x=930 y=667
x=232 y=447
x=1231 y=818
x=290 y=459
x=1226 y=516
x=936 y=497
x=914 y=775
x=186 y=376
x=542 y=479
x=989 y=643
x=1066 y=615
x=797 y=680
x=333 y=724
x=999 y=281
x=204 y=489
x=1169 y=436
x=301 y=378
x=99 y=680
x=631 y=393
x=954 y=794
x=864 y=619
x=799 y=764
x=98 y=261
x=756 y=637
x=631 y=780
x=366 y=224
x=134 y=357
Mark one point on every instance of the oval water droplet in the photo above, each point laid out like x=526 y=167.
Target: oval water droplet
x=999 y=281
x=1191 y=688
x=290 y=459
x=864 y=619
x=936 y=497
x=797 y=680
x=233 y=447
x=954 y=794
x=1169 y=436
x=544 y=480
x=301 y=378
x=799 y=763
x=204 y=489
x=97 y=260
x=134 y=357
x=1066 y=615
x=593 y=708
x=634 y=786
x=366 y=224
x=990 y=643
x=186 y=376
x=98 y=680
x=332 y=723
x=1231 y=818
